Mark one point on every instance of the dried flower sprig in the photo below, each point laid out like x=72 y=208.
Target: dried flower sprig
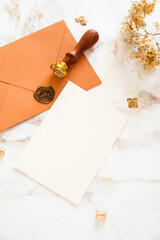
x=145 y=46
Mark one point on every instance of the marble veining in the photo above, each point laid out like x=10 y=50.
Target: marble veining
x=128 y=184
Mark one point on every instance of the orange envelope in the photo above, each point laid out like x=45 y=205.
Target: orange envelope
x=25 y=65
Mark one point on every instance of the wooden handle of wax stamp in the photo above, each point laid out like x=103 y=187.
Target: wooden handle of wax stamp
x=89 y=38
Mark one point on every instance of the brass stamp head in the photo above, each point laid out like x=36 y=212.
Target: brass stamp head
x=59 y=69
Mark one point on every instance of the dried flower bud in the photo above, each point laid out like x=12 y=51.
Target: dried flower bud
x=132 y=102
x=157 y=25
x=84 y=22
x=2 y=152
x=77 y=20
x=81 y=18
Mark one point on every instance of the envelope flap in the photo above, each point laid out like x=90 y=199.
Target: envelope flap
x=81 y=73
x=26 y=62
x=3 y=90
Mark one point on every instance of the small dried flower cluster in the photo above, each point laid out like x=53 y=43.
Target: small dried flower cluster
x=145 y=46
x=101 y=215
x=81 y=20
x=132 y=102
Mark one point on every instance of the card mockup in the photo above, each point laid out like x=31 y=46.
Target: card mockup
x=71 y=143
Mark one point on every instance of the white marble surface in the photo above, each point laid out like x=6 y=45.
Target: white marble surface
x=128 y=184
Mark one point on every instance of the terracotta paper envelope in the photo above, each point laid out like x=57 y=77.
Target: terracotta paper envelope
x=25 y=65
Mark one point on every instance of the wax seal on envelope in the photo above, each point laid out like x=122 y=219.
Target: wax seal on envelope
x=44 y=94
x=26 y=66
x=89 y=38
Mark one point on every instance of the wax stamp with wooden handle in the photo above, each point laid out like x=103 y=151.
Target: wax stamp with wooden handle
x=89 y=38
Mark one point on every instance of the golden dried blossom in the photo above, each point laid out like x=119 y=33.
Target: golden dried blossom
x=81 y=20
x=157 y=25
x=132 y=102
x=145 y=47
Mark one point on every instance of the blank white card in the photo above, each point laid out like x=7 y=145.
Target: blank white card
x=71 y=143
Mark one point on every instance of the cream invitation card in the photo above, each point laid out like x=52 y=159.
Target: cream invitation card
x=72 y=142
